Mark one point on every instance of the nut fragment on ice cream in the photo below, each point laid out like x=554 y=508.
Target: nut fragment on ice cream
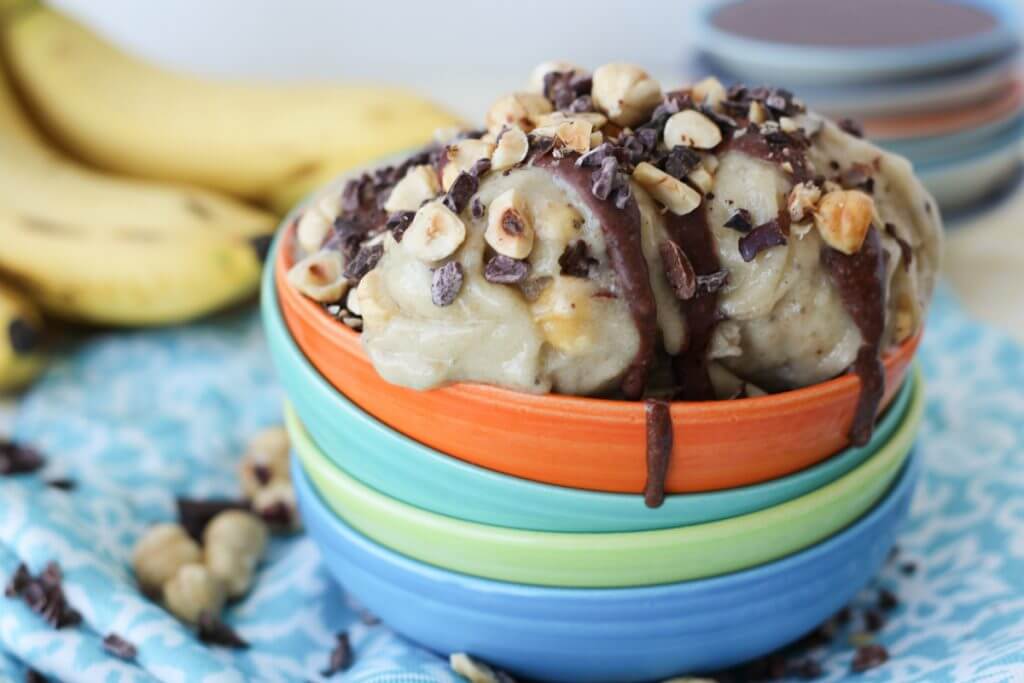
x=509 y=228
x=435 y=233
x=518 y=109
x=510 y=150
x=417 y=186
x=604 y=236
x=320 y=276
x=626 y=93
x=690 y=128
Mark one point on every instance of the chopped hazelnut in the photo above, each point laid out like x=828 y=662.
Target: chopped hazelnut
x=690 y=128
x=843 y=218
x=320 y=276
x=625 y=93
x=544 y=68
x=675 y=195
x=461 y=156
x=419 y=184
x=312 y=230
x=518 y=109
x=757 y=113
x=376 y=304
x=802 y=200
x=509 y=228
x=573 y=132
x=709 y=91
x=701 y=179
x=435 y=233
x=511 y=149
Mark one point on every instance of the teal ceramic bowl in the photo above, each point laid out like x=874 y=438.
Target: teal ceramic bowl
x=412 y=473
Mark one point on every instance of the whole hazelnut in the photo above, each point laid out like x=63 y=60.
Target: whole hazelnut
x=158 y=555
x=234 y=542
x=276 y=506
x=266 y=457
x=193 y=590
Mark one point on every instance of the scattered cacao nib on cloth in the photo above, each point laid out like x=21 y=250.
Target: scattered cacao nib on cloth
x=869 y=657
x=44 y=595
x=215 y=632
x=16 y=458
x=341 y=657
x=119 y=647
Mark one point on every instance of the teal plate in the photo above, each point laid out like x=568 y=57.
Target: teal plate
x=412 y=473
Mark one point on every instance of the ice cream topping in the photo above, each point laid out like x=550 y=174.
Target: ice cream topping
x=603 y=237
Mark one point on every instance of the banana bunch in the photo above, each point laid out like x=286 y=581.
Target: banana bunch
x=157 y=219
x=272 y=144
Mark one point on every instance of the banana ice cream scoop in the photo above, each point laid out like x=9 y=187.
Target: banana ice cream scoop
x=603 y=237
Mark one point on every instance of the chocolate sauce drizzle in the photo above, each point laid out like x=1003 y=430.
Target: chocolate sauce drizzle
x=659 y=450
x=621 y=229
x=778 y=148
x=692 y=233
x=860 y=279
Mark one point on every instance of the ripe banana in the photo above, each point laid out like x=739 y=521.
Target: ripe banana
x=94 y=247
x=271 y=143
x=21 y=340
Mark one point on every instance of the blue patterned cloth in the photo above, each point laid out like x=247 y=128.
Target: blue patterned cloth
x=137 y=418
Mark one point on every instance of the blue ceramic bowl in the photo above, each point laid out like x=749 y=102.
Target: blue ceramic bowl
x=787 y=64
x=627 y=634
x=412 y=473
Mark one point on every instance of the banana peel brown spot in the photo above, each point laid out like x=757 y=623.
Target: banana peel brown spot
x=198 y=208
x=48 y=227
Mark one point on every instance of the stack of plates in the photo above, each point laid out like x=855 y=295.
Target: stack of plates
x=937 y=81
x=512 y=527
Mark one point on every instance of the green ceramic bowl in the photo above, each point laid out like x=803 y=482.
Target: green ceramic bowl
x=610 y=560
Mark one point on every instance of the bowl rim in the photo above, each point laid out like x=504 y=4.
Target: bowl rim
x=851 y=62
x=343 y=534
x=562 y=404
x=444 y=464
x=398 y=518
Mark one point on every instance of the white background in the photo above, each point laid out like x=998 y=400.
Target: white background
x=464 y=52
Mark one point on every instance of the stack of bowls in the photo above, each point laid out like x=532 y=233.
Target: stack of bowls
x=511 y=526
x=937 y=81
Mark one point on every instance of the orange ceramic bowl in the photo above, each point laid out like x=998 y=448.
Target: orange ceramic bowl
x=587 y=443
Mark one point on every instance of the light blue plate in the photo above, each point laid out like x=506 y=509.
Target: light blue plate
x=937 y=149
x=961 y=181
x=958 y=87
x=772 y=62
x=410 y=472
x=598 y=635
